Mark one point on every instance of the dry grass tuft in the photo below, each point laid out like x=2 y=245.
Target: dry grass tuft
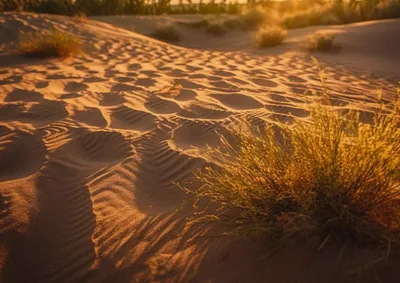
x=234 y=23
x=331 y=176
x=310 y=17
x=196 y=24
x=167 y=33
x=216 y=28
x=52 y=43
x=254 y=17
x=321 y=42
x=81 y=18
x=270 y=36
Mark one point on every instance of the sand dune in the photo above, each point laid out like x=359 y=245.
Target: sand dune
x=371 y=45
x=90 y=149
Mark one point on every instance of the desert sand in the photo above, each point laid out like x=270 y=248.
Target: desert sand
x=90 y=149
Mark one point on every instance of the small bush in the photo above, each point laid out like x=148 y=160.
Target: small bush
x=311 y=17
x=167 y=33
x=234 y=23
x=196 y=24
x=53 y=43
x=270 y=36
x=389 y=9
x=329 y=176
x=81 y=17
x=216 y=28
x=320 y=42
x=254 y=17
x=329 y=19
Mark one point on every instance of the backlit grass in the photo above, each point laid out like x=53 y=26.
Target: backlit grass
x=52 y=43
x=270 y=36
x=216 y=28
x=321 y=42
x=167 y=33
x=329 y=176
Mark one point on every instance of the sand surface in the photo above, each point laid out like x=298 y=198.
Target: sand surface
x=90 y=149
x=371 y=46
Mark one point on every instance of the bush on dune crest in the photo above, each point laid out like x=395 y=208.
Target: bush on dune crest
x=321 y=42
x=216 y=28
x=332 y=177
x=167 y=33
x=270 y=36
x=254 y=17
x=311 y=17
x=53 y=43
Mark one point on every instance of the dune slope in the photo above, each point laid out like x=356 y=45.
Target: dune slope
x=90 y=149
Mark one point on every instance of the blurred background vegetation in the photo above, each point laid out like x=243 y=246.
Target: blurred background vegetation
x=293 y=13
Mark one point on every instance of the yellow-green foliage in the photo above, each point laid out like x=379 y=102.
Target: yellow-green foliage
x=52 y=43
x=320 y=42
x=329 y=176
x=167 y=33
x=270 y=36
x=319 y=15
x=254 y=17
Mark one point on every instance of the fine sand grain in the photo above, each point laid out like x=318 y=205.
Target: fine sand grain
x=90 y=149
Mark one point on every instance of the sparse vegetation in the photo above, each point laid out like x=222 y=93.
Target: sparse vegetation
x=313 y=16
x=329 y=176
x=167 y=33
x=216 y=28
x=81 y=17
x=52 y=43
x=322 y=42
x=286 y=13
x=270 y=36
x=196 y=24
x=234 y=23
x=254 y=17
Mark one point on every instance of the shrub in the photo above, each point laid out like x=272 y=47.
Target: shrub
x=319 y=15
x=296 y=20
x=216 y=28
x=254 y=17
x=81 y=17
x=329 y=176
x=389 y=9
x=167 y=33
x=270 y=36
x=196 y=24
x=320 y=42
x=234 y=23
x=52 y=43
x=329 y=19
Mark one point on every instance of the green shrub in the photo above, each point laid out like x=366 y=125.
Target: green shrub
x=216 y=28
x=270 y=36
x=329 y=176
x=167 y=33
x=52 y=43
x=320 y=42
